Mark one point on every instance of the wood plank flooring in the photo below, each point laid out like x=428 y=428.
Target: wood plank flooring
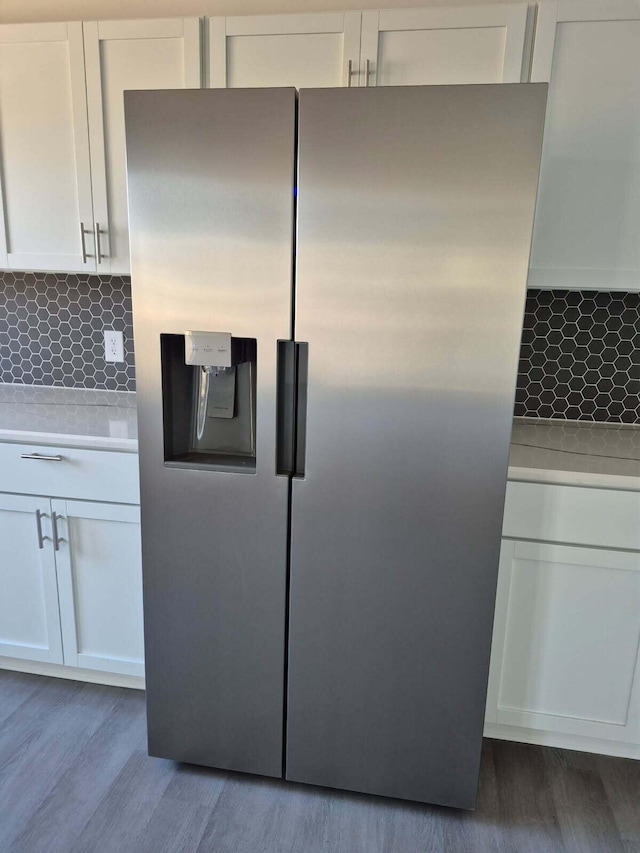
x=75 y=778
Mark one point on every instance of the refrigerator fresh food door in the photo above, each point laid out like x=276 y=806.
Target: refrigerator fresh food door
x=415 y=213
x=211 y=197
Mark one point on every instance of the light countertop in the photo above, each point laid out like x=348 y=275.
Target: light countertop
x=542 y=451
x=71 y=417
x=574 y=453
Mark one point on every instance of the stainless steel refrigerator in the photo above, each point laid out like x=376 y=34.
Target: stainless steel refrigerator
x=328 y=295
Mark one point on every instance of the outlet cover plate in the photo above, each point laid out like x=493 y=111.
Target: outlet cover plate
x=113 y=345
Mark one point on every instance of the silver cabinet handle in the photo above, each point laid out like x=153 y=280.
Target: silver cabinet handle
x=42 y=456
x=41 y=538
x=366 y=72
x=349 y=73
x=98 y=251
x=83 y=245
x=54 y=524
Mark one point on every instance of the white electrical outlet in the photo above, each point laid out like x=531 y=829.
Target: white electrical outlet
x=113 y=345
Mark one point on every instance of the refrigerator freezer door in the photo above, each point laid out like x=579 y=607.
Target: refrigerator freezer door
x=211 y=177
x=415 y=214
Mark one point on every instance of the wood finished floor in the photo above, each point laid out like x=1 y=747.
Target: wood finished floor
x=75 y=778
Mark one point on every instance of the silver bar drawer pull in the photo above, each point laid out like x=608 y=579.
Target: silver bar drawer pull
x=42 y=456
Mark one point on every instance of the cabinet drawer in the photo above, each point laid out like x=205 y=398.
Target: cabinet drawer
x=581 y=516
x=95 y=475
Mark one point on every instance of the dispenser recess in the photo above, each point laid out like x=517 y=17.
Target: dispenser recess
x=209 y=401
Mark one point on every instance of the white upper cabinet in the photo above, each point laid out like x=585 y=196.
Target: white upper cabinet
x=120 y=55
x=479 y=44
x=45 y=178
x=587 y=229
x=63 y=201
x=475 y=44
x=63 y=197
x=310 y=50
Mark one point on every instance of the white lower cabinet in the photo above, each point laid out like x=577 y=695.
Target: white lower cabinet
x=565 y=663
x=29 y=617
x=99 y=567
x=71 y=579
x=71 y=567
x=565 y=668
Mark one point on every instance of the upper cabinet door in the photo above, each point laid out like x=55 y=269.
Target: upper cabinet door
x=587 y=229
x=120 y=55
x=305 y=51
x=45 y=178
x=414 y=47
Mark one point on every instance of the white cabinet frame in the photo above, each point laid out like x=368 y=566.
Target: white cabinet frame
x=512 y=16
x=94 y=33
x=72 y=34
x=219 y=29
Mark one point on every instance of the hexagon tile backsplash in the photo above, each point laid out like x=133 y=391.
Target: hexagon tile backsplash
x=52 y=329
x=580 y=356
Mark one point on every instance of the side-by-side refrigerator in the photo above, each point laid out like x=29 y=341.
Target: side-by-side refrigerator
x=328 y=295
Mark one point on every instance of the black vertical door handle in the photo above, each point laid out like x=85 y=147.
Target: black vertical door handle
x=285 y=408
x=291 y=408
x=302 y=376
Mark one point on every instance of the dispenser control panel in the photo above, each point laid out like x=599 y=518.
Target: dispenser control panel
x=212 y=349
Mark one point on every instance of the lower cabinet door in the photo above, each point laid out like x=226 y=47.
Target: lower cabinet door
x=100 y=585
x=566 y=639
x=29 y=618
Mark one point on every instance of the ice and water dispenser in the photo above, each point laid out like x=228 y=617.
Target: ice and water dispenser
x=209 y=401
